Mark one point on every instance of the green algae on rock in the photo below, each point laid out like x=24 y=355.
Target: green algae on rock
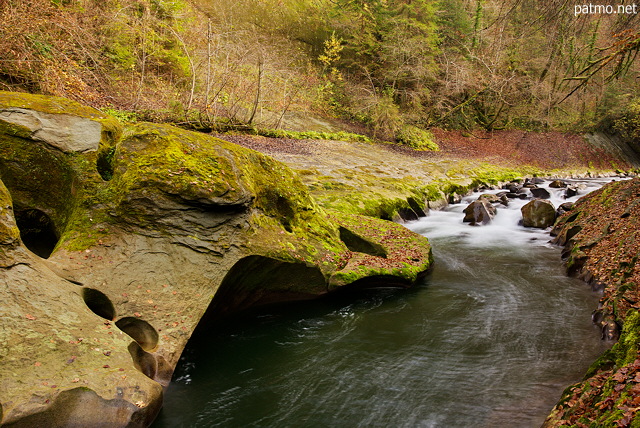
x=153 y=229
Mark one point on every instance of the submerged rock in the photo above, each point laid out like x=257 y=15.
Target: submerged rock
x=538 y=213
x=148 y=233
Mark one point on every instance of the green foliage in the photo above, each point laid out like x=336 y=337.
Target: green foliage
x=416 y=138
x=384 y=115
x=40 y=45
x=123 y=116
x=629 y=123
x=454 y=24
x=314 y=135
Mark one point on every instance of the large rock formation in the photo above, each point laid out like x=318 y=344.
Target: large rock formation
x=113 y=248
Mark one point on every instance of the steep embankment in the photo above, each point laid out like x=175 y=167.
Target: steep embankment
x=601 y=235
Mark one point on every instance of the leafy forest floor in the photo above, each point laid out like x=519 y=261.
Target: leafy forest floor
x=547 y=151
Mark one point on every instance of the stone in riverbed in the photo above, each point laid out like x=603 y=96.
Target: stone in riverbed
x=570 y=191
x=500 y=198
x=563 y=208
x=479 y=212
x=540 y=193
x=557 y=184
x=538 y=213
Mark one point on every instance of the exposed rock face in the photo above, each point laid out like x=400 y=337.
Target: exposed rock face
x=56 y=121
x=479 y=212
x=538 y=213
x=66 y=132
x=150 y=232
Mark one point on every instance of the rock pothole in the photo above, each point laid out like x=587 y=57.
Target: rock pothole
x=140 y=331
x=151 y=365
x=37 y=231
x=105 y=163
x=99 y=303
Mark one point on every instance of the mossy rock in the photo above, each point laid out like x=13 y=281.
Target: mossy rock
x=156 y=230
x=59 y=122
x=41 y=176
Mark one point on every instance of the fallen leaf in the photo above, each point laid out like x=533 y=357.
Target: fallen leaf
x=29 y=317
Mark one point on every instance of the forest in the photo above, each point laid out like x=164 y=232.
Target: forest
x=392 y=69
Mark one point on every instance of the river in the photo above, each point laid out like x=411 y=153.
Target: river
x=489 y=338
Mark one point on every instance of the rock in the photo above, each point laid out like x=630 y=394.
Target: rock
x=571 y=191
x=420 y=208
x=514 y=188
x=563 y=208
x=557 y=184
x=538 y=213
x=540 y=193
x=406 y=214
x=438 y=204
x=495 y=199
x=479 y=212
x=58 y=122
x=566 y=234
x=150 y=233
x=455 y=198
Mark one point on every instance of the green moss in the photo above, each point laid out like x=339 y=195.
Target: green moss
x=314 y=135
x=626 y=350
x=38 y=177
x=416 y=138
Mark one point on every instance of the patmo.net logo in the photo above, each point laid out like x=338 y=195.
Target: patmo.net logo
x=605 y=9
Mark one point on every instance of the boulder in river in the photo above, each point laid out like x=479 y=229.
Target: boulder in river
x=540 y=193
x=557 y=184
x=479 y=212
x=564 y=207
x=538 y=213
x=495 y=199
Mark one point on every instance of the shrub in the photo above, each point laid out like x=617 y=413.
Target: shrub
x=416 y=138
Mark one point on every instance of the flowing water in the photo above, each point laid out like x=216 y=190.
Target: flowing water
x=489 y=338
